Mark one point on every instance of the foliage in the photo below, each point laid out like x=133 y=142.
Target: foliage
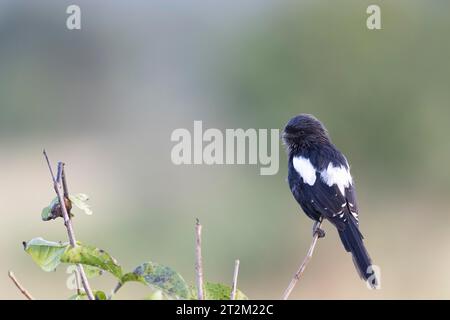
x=164 y=282
x=218 y=291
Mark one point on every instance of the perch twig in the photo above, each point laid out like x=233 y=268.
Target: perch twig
x=235 y=277
x=198 y=260
x=60 y=191
x=19 y=286
x=303 y=265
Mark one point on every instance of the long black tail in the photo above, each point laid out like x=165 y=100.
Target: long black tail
x=352 y=239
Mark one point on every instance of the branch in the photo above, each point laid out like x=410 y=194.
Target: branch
x=235 y=277
x=49 y=166
x=198 y=260
x=61 y=184
x=64 y=185
x=60 y=191
x=303 y=265
x=19 y=286
x=77 y=282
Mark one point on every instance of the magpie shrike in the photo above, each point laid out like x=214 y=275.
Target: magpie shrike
x=319 y=179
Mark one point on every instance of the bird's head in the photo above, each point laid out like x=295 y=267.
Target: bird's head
x=303 y=130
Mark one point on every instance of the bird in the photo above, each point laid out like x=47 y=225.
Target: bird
x=320 y=181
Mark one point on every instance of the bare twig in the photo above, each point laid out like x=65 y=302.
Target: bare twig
x=198 y=260
x=77 y=281
x=303 y=265
x=235 y=277
x=19 y=286
x=64 y=185
x=59 y=189
x=49 y=166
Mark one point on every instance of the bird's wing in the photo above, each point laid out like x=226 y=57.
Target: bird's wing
x=350 y=197
x=328 y=193
x=328 y=201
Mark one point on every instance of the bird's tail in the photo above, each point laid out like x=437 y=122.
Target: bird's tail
x=352 y=239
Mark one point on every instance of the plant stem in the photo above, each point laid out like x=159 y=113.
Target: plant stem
x=19 y=286
x=77 y=282
x=235 y=277
x=303 y=265
x=58 y=186
x=116 y=288
x=198 y=260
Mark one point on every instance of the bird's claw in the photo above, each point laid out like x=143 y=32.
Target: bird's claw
x=320 y=233
x=317 y=230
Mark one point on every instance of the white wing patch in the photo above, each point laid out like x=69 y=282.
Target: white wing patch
x=332 y=175
x=339 y=176
x=305 y=169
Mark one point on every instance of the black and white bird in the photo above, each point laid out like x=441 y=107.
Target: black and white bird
x=319 y=178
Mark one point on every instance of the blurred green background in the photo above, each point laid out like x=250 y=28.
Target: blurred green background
x=106 y=99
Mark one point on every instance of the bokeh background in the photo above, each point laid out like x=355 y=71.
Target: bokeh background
x=107 y=98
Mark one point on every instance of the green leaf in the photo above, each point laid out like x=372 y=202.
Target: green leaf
x=156 y=295
x=92 y=272
x=80 y=201
x=91 y=256
x=99 y=295
x=160 y=277
x=46 y=254
x=46 y=213
x=192 y=292
x=218 y=291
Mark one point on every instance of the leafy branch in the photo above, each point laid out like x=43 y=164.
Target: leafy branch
x=60 y=186
x=91 y=261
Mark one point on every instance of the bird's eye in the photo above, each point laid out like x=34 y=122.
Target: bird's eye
x=302 y=132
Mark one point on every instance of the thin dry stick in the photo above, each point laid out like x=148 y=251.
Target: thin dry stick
x=198 y=260
x=57 y=184
x=235 y=277
x=19 y=286
x=77 y=282
x=303 y=265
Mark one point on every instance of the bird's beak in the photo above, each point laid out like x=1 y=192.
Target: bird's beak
x=286 y=138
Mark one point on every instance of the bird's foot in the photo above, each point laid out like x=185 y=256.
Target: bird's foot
x=317 y=230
